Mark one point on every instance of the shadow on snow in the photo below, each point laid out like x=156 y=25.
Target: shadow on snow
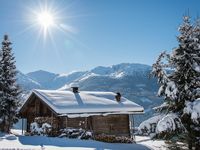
x=60 y=142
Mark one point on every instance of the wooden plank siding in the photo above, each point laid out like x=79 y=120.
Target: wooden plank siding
x=111 y=124
x=74 y=122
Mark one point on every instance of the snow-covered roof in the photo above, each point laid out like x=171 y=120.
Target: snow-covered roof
x=86 y=103
x=74 y=84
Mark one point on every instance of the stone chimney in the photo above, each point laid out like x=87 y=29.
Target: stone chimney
x=75 y=87
x=118 y=97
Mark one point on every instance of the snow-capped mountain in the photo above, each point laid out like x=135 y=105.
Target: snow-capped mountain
x=26 y=82
x=42 y=77
x=130 y=79
x=47 y=80
x=50 y=80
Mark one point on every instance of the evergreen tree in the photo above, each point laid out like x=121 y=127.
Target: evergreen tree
x=1 y=90
x=179 y=78
x=9 y=89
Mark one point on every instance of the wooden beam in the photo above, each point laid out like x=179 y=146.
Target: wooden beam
x=22 y=126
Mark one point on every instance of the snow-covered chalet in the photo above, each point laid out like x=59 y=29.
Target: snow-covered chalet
x=101 y=112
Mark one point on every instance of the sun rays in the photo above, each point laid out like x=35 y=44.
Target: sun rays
x=46 y=18
x=49 y=24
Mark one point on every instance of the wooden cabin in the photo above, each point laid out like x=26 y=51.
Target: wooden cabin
x=100 y=112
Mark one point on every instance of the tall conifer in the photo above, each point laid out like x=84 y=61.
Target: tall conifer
x=9 y=89
x=179 y=78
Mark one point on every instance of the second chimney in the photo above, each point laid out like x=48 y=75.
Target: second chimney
x=74 y=87
x=118 y=97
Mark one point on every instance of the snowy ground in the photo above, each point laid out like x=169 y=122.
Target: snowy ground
x=49 y=143
x=152 y=144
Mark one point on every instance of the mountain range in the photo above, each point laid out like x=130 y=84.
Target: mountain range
x=130 y=79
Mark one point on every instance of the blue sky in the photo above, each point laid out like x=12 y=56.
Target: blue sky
x=104 y=32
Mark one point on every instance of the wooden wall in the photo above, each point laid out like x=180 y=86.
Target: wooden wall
x=74 y=122
x=111 y=124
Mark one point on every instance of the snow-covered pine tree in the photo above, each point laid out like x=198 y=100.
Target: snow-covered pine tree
x=180 y=85
x=191 y=112
x=9 y=89
x=1 y=90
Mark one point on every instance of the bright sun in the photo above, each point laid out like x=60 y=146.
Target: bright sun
x=45 y=19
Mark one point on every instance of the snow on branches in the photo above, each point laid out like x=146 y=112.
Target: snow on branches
x=193 y=109
x=178 y=74
x=169 y=123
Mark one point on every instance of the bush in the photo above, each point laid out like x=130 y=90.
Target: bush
x=76 y=133
x=44 y=130
x=169 y=126
x=148 y=126
x=161 y=126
